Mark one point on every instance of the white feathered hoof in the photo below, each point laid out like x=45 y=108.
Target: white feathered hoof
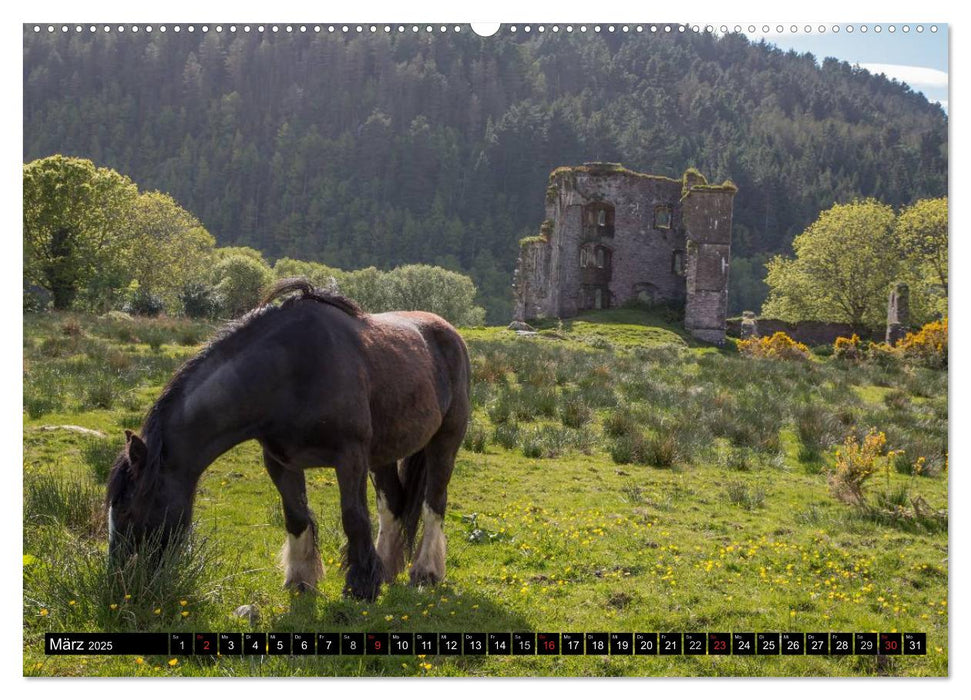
x=301 y=562
x=429 y=565
x=390 y=544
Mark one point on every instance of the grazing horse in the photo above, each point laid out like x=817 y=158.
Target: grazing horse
x=317 y=382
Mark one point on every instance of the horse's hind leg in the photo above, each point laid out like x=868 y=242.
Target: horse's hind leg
x=429 y=564
x=364 y=569
x=300 y=557
x=391 y=536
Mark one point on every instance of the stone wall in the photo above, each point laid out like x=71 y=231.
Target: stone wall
x=811 y=333
x=708 y=234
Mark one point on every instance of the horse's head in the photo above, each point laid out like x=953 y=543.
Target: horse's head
x=140 y=507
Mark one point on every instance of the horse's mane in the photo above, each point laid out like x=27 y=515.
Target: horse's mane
x=152 y=428
x=309 y=291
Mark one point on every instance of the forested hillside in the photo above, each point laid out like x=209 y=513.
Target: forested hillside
x=382 y=149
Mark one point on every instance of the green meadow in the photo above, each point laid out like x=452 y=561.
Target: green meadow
x=616 y=476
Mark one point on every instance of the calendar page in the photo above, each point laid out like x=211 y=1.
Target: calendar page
x=548 y=349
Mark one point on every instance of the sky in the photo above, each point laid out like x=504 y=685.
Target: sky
x=919 y=59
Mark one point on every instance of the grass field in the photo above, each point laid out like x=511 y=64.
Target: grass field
x=615 y=477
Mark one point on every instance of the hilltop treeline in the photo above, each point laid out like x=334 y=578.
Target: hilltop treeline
x=382 y=150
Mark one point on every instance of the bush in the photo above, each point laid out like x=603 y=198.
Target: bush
x=144 y=303
x=749 y=499
x=882 y=355
x=574 y=413
x=199 y=300
x=435 y=289
x=848 y=348
x=628 y=448
x=506 y=435
x=620 y=423
x=475 y=438
x=856 y=463
x=777 y=347
x=928 y=346
x=240 y=283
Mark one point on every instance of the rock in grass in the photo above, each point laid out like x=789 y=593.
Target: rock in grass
x=251 y=613
x=74 y=429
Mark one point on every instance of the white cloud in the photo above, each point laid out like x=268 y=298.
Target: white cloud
x=915 y=76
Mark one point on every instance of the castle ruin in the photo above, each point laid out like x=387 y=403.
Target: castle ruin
x=612 y=235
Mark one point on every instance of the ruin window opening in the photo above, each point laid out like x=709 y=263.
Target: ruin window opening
x=677 y=263
x=662 y=216
x=598 y=219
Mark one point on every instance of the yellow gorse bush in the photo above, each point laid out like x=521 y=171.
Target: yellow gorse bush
x=778 y=346
x=847 y=348
x=855 y=463
x=928 y=346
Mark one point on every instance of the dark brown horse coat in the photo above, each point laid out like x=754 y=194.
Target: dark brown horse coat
x=318 y=383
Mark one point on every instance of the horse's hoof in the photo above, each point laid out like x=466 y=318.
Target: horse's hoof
x=365 y=593
x=424 y=578
x=299 y=587
x=364 y=582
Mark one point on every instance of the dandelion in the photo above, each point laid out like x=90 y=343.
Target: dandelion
x=128 y=596
x=113 y=606
x=43 y=612
x=183 y=603
x=157 y=611
x=139 y=661
x=173 y=662
x=72 y=602
x=364 y=613
x=185 y=613
x=404 y=617
x=388 y=618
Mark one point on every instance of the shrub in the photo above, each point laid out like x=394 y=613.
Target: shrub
x=749 y=499
x=777 y=347
x=574 y=413
x=848 y=348
x=928 y=346
x=814 y=426
x=882 y=355
x=144 y=303
x=619 y=423
x=199 y=300
x=628 y=448
x=856 y=463
x=240 y=283
x=532 y=444
x=475 y=438
x=506 y=435
x=423 y=287
x=659 y=451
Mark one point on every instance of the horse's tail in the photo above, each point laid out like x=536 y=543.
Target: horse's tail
x=413 y=475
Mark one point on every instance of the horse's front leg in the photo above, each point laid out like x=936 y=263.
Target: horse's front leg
x=364 y=569
x=300 y=556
